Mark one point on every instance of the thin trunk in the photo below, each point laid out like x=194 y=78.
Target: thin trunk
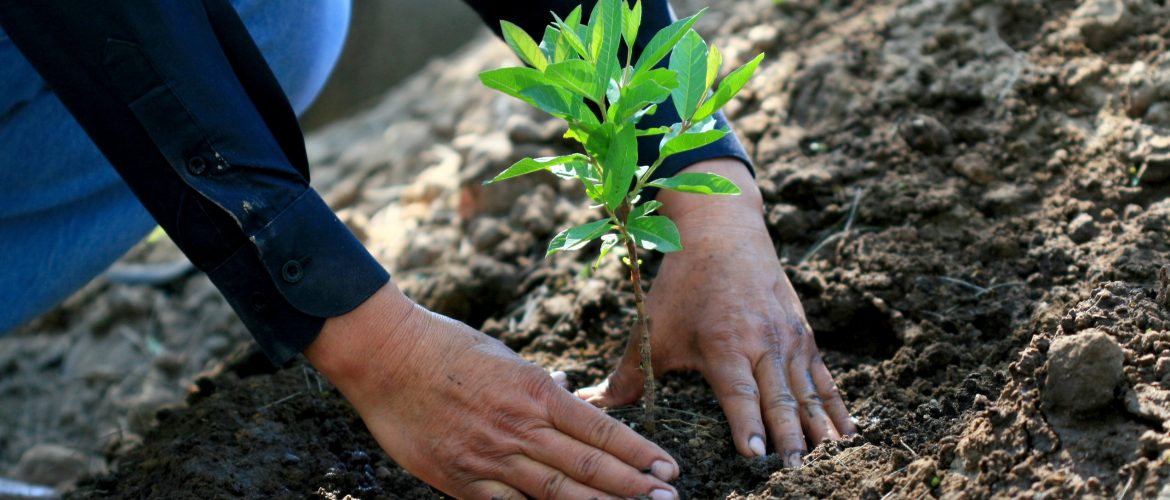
x=650 y=397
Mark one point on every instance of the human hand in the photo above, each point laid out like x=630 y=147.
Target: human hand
x=724 y=307
x=462 y=412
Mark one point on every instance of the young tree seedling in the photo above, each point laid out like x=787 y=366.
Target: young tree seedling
x=576 y=74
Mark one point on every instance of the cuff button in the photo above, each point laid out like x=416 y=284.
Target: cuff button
x=196 y=165
x=292 y=271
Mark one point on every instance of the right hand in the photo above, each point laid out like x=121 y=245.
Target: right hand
x=464 y=413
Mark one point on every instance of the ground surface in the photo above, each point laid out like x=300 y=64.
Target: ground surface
x=970 y=198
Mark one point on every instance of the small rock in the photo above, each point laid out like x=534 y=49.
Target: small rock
x=558 y=306
x=975 y=167
x=762 y=36
x=925 y=134
x=1100 y=22
x=1153 y=155
x=1082 y=228
x=1008 y=197
x=788 y=222
x=1158 y=114
x=51 y=464
x=1083 y=372
x=523 y=129
x=487 y=232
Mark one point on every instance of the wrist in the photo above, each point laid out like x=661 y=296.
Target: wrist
x=375 y=335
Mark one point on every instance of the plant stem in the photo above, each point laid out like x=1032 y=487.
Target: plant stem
x=650 y=396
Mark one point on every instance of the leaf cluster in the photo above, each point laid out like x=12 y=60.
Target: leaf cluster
x=576 y=73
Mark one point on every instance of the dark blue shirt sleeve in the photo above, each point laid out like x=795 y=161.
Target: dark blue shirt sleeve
x=656 y=14
x=178 y=98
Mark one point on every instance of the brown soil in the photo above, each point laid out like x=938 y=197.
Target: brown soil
x=970 y=198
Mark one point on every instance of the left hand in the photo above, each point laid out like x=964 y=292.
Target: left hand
x=724 y=307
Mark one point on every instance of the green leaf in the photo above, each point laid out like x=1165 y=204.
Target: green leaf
x=697 y=182
x=523 y=45
x=663 y=76
x=606 y=34
x=631 y=21
x=576 y=76
x=689 y=141
x=577 y=237
x=570 y=35
x=664 y=41
x=654 y=131
x=689 y=59
x=728 y=88
x=714 y=62
x=548 y=44
x=655 y=232
x=514 y=81
x=608 y=241
x=619 y=164
x=578 y=170
x=529 y=165
x=645 y=209
x=636 y=97
x=559 y=103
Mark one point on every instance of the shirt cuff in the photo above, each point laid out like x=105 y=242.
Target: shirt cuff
x=726 y=147
x=305 y=266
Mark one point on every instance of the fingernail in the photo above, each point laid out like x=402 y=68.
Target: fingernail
x=792 y=460
x=662 y=470
x=662 y=495
x=559 y=377
x=756 y=443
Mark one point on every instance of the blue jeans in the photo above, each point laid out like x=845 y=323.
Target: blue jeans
x=65 y=215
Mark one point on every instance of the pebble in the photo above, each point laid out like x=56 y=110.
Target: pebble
x=975 y=167
x=1083 y=372
x=51 y=464
x=1099 y=22
x=925 y=133
x=1082 y=228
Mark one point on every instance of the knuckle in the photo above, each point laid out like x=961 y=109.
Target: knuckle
x=812 y=403
x=554 y=485
x=520 y=427
x=588 y=465
x=781 y=402
x=744 y=390
x=602 y=432
x=833 y=394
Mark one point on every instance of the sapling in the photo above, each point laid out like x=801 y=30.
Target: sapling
x=577 y=73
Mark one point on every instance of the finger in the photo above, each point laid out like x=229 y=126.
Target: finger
x=812 y=408
x=590 y=426
x=834 y=403
x=593 y=467
x=780 y=409
x=538 y=480
x=735 y=387
x=624 y=385
x=486 y=488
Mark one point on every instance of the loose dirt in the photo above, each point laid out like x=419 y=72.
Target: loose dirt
x=969 y=197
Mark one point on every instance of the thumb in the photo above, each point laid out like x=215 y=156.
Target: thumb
x=623 y=386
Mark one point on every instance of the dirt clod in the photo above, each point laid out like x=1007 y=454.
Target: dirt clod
x=1083 y=372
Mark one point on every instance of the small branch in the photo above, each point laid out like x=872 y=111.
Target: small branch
x=281 y=400
x=650 y=397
